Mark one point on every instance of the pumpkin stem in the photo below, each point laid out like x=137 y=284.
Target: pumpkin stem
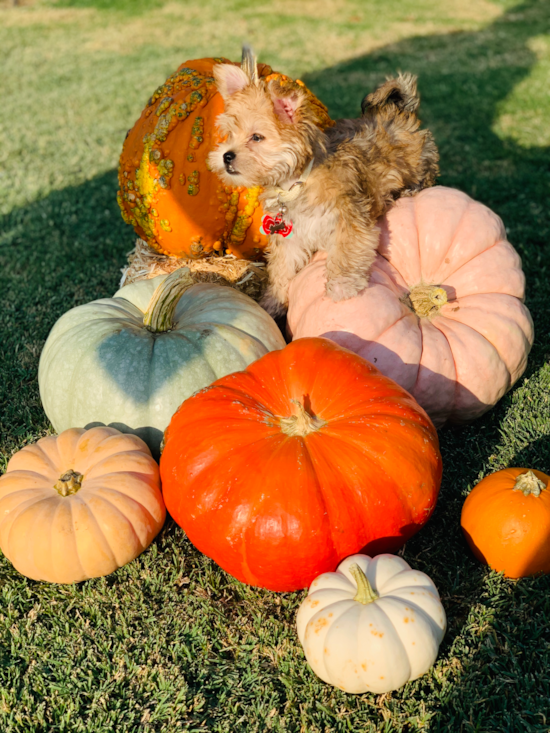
x=69 y=483
x=301 y=424
x=160 y=311
x=528 y=483
x=426 y=300
x=365 y=592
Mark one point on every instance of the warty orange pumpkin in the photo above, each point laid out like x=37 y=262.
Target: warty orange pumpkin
x=167 y=192
x=282 y=470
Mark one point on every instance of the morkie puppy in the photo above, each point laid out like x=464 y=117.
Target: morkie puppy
x=323 y=189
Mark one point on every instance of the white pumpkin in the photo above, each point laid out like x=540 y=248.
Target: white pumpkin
x=131 y=360
x=372 y=625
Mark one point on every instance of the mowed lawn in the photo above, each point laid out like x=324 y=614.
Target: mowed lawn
x=170 y=642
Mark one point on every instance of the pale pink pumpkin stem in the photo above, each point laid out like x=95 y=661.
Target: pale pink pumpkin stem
x=426 y=300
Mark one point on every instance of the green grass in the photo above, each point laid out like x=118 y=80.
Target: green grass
x=170 y=642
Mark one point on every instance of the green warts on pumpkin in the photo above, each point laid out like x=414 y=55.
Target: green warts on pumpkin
x=425 y=300
x=137 y=198
x=365 y=592
x=159 y=315
x=69 y=483
x=529 y=484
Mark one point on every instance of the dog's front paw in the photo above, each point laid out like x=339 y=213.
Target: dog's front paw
x=272 y=305
x=342 y=288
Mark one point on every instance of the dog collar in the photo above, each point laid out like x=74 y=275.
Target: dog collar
x=278 y=225
x=285 y=196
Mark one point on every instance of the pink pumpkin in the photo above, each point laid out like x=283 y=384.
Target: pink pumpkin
x=443 y=313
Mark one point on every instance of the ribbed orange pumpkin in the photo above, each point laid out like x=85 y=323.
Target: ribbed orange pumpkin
x=506 y=522
x=167 y=192
x=79 y=505
x=282 y=470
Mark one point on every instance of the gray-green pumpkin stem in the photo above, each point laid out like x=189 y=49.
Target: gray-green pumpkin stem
x=159 y=315
x=365 y=592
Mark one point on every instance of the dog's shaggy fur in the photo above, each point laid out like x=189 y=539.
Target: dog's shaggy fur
x=359 y=168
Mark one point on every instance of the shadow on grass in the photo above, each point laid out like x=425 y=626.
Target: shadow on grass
x=55 y=253
x=68 y=248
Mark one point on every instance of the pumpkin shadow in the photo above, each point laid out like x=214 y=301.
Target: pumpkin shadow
x=391 y=544
x=151 y=436
x=406 y=375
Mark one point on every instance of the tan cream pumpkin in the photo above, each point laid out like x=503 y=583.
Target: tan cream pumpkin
x=443 y=313
x=79 y=505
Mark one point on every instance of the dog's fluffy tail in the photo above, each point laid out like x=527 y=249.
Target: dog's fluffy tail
x=399 y=92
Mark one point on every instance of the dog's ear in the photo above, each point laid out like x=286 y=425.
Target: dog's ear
x=287 y=105
x=229 y=79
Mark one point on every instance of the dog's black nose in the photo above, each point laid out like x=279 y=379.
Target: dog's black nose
x=229 y=157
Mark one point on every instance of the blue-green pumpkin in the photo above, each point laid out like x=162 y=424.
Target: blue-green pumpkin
x=131 y=360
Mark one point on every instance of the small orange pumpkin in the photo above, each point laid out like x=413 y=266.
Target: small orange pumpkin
x=506 y=522
x=167 y=192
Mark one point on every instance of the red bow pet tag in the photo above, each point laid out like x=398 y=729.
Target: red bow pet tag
x=275 y=225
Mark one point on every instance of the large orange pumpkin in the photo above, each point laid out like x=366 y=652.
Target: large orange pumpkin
x=167 y=192
x=309 y=455
x=506 y=522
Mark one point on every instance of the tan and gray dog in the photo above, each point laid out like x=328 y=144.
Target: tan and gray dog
x=324 y=189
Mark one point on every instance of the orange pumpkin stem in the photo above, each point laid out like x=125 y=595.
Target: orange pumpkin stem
x=528 y=483
x=160 y=311
x=301 y=424
x=365 y=592
x=426 y=300
x=69 y=483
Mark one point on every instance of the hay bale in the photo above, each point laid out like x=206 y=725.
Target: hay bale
x=248 y=277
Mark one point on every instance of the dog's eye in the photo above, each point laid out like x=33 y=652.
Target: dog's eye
x=257 y=138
